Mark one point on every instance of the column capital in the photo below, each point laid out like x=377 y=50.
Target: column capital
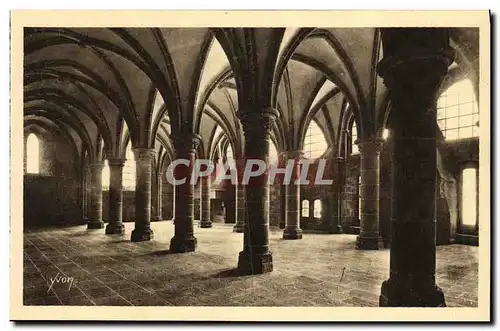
x=415 y=53
x=116 y=162
x=296 y=155
x=370 y=146
x=144 y=155
x=186 y=140
x=96 y=166
x=258 y=123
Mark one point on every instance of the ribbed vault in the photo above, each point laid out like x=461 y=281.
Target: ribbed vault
x=146 y=84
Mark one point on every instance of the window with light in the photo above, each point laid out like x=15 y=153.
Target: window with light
x=317 y=208
x=32 y=154
x=469 y=197
x=105 y=176
x=129 y=169
x=230 y=156
x=315 y=143
x=305 y=208
x=385 y=134
x=273 y=153
x=457 y=111
x=354 y=137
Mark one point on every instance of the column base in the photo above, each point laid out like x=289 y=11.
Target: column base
x=336 y=229
x=253 y=264
x=115 y=228
x=95 y=225
x=292 y=233
x=369 y=243
x=205 y=224
x=406 y=293
x=156 y=219
x=183 y=244
x=141 y=235
x=239 y=228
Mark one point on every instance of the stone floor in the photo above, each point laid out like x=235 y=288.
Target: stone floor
x=87 y=267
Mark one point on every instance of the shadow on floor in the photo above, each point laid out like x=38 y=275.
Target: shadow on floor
x=83 y=234
x=162 y=252
x=229 y=273
x=119 y=241
x=166 y=252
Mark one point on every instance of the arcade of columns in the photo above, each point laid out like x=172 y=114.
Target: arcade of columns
x=413 y=67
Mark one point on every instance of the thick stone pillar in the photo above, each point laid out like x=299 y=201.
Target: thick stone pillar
x=292 y=200
x=369 y=236
x=157 y=198
x=115 y=225
x=256 y=257
x=415 y=62
x=239 y=227
x=205 y=221
x=143 y=164
x=184 y=240
x=95 y=211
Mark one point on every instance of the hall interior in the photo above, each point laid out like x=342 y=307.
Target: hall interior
x=107 y=110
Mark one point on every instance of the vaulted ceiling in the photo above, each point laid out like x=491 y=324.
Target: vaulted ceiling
x=108 y=86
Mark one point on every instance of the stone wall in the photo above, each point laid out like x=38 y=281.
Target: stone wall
x=54 y=196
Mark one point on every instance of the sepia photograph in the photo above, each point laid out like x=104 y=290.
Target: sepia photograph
x=336 y=164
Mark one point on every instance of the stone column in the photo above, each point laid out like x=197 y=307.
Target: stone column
x=414 y=65
x=143 y=163
x=158 y=198
x=205 y=221
x=256 y=257
x=115 y=225
x=369 y=236
x=184 y=240
x=85 y=198
x=292 y=200
x=95 y=211
x=169 y=202
x=239 y=227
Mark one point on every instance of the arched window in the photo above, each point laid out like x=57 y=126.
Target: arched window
x=32 y=154
x=129 y=169
x=273 y=153
x=105 y=176
x=469 y=197
x=457 y=111
x=354 y=137
x=305 y=208
x=315 y=143
x=230 y=156
x=317 y=208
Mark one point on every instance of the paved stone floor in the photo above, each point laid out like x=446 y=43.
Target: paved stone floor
x=87 y=267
